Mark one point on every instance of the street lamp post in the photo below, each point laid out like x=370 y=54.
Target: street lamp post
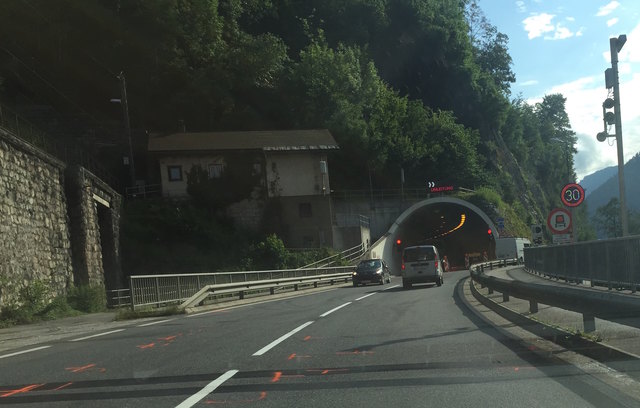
x=127 y=125
x=612 y=80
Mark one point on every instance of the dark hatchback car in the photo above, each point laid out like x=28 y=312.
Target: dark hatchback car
x=371 y=271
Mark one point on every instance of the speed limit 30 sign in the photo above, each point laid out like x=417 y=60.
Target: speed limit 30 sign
x=572 y=195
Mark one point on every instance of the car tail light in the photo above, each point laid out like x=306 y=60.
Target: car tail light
x=436 y=265
x=402 y=266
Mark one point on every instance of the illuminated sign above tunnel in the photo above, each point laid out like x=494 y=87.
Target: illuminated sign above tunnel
x=441 y=189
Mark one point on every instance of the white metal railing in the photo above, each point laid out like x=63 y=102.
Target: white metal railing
x=156 y=290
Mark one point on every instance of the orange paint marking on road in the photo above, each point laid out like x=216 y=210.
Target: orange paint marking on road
x=263 y=395
x=307 y=338
x=63 y=386
x=21 y=390
x=146 y=346
x=276 y=376
x=80 y=369
x=168 y=338
x=291 y=356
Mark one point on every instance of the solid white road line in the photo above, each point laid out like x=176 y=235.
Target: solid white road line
x=98 y=335
x=366 y=296
x=334 y=309
x=156 y=322
x=208 y=389
x=391 y=287
x=23 y=351
x=281 y=339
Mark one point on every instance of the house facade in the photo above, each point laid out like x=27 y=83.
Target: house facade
x=289 y=169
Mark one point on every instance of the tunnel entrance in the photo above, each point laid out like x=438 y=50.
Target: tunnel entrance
x=456 y=227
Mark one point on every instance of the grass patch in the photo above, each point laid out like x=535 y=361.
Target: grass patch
x=35 y=304
x=128 y=314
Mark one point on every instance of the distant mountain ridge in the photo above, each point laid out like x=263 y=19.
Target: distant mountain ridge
x=609 y=189
x=594 y=180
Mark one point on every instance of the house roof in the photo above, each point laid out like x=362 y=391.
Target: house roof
x=316 y=139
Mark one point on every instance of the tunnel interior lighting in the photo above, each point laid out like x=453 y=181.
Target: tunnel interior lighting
x=463 y=218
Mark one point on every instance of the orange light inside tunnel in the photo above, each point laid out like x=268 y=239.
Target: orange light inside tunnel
x=398 y=241
x=463 y=218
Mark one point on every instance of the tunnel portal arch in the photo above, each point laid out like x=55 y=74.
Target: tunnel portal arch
x=385 y=247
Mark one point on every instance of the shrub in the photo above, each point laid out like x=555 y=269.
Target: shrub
x=88 y=299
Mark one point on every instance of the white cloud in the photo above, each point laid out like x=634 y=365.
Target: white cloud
x=612 y=21
x=571 y=19
x=521 y=7
x=538 y=24
x=528 y=83
x=607 y=9
x=561 y=33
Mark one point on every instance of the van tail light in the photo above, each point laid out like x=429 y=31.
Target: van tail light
x=436 y=265
x=402 y=266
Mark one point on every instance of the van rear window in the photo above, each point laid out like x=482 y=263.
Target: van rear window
x=419 y=254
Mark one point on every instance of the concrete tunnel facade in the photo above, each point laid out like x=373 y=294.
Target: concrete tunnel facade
x=456 y=227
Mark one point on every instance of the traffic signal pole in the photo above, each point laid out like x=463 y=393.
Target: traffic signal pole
x=615 y=44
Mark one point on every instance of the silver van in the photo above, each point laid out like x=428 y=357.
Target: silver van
x=421 y=264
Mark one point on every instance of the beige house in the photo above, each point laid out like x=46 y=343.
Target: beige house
x=292 y=170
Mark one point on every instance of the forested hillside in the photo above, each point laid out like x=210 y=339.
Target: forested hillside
x=422 y=85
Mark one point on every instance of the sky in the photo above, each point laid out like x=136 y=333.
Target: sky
x=563 y=47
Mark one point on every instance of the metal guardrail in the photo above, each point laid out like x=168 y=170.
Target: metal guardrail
x=144 y=191
x=611 y=263
x=271 y=284
x=591 y=303
x=157 y=290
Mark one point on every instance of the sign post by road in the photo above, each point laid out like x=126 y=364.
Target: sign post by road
x=559 y=222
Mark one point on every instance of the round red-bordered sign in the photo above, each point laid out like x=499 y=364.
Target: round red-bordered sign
x=572 y=195
x=559 y=221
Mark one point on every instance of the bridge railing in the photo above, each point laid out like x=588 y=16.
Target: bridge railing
x=164 y=290
x=614 y=263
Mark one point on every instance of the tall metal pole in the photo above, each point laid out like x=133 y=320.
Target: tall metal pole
x=614 y=47
x=127 y=126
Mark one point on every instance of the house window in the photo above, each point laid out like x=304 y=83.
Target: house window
x=215 y=170
x=175 y=173
x=305 y=210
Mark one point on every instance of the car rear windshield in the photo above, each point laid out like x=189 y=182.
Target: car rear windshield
x=375 y=264
x=419 y=254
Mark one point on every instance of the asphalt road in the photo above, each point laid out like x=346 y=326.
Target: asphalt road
x=374 y=346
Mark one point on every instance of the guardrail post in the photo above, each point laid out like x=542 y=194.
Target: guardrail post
x=241 y=294
x=157 y=290
x=505 y=297
x=315 y=284
x=589 y=323
x=491 y=265
x=295 y=287
x=272 y=290
x=132 y=293
x=491 y=291
x=533 y=306
x=179 y=289
x=482 y=267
